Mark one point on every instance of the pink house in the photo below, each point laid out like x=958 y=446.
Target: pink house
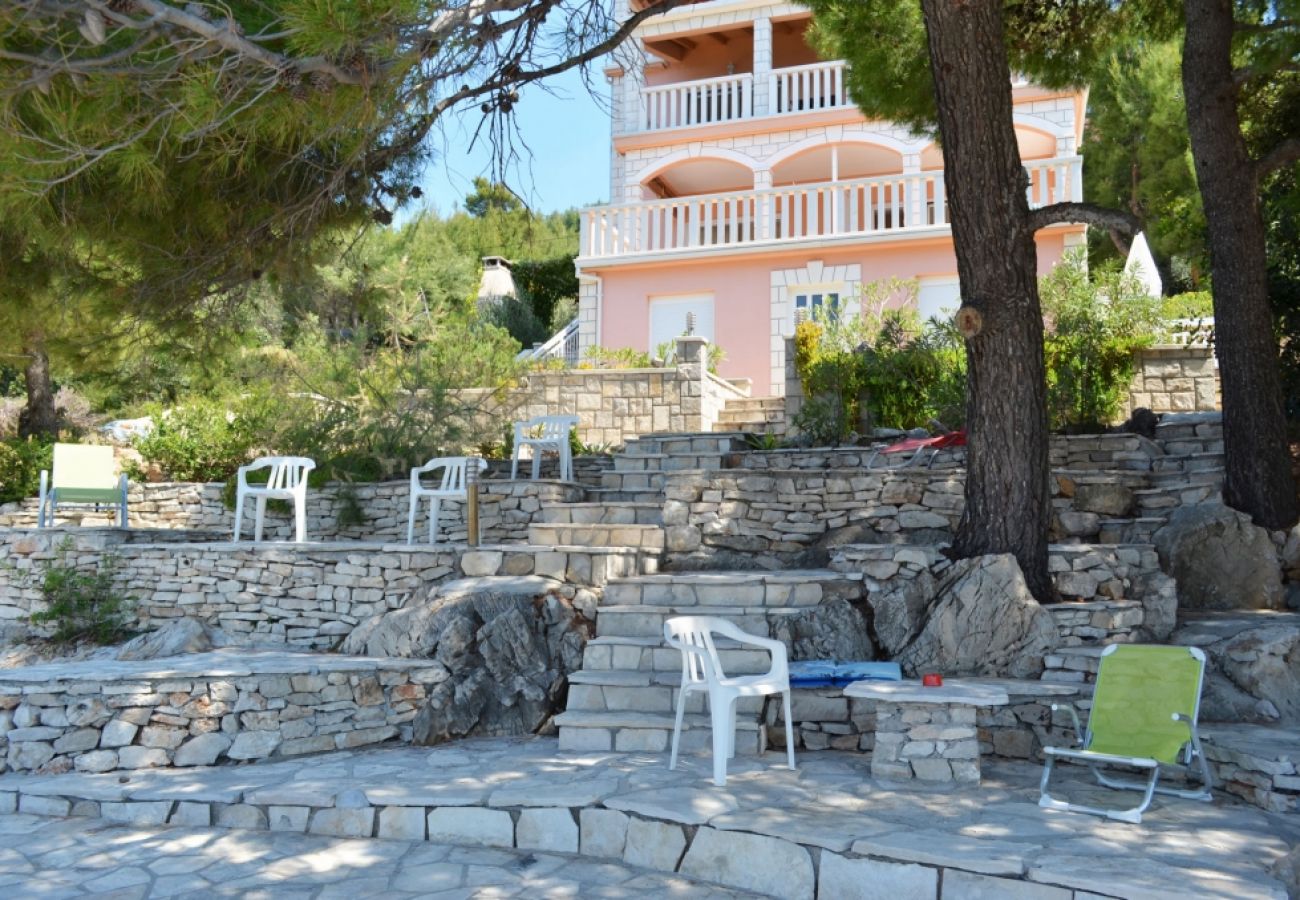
x=746 y=186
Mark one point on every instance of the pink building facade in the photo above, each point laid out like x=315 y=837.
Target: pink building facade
x=747 y=186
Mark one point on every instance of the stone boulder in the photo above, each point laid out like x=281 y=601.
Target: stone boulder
x=1158 y=594
x=898 y=611
x=1106 y=499
x=176 y=637
x=1253 y=672
x=506 y=645
x=982 y=620
x=833 y=629
x=1220 y=559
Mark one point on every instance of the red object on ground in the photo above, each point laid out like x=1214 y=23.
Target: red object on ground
x=938 y=442
x=932 y=680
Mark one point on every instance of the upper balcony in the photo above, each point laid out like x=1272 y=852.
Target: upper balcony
x=888 y=207
x=751 y=70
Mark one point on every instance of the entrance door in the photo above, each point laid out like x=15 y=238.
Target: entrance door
x=668 y=317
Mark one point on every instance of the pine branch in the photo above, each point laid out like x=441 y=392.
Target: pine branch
x=1281 y=156
x=1084 y=214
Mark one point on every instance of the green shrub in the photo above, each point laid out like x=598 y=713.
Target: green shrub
x=1095 y=325
x=882 y=367
x=21 y=462
x=1191 y=305
x=82 y=606
x=616 y=358
x=203 y=440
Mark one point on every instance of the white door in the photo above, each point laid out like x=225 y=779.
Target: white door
x=668 y=317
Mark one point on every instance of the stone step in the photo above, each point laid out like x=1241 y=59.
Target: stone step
x=603 y=513
x=711 y=443
x=613 y=496
x=1072 y=664
x=755 y=403
x=1140 y=530
x=1259 y=763
x=1189 y=462
x=651 y=654
x=609 y=692
x=667 y=462
x=640 y=620
x=1097 y=621
x=797 y=587
x=635 y=482
x=651 y=732
x=643 y=537
x=747 y=416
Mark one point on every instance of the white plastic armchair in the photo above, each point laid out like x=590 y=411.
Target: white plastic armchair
x=454 y=485
x=545 y=434
x=287 y=481
x=702 y=671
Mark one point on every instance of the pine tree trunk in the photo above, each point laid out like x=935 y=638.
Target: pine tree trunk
x=1008 y=504
x=38 y=418
x=1257 y=459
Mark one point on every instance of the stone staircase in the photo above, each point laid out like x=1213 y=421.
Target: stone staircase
x=625 y=696
x=757 y=415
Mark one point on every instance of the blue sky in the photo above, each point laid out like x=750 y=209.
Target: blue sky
x=567 y=131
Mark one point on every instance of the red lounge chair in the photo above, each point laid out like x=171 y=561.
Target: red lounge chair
x=918 y=446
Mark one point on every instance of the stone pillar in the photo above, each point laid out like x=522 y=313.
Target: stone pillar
x=934 y=742
x=692 y=369
x=762 y=66
x=793 y=389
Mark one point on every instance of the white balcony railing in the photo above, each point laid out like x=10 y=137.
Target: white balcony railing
x=808 y=88
x=703 y=102
x=863 y=207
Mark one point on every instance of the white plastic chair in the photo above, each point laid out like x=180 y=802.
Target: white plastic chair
x=702 y=671
x=288 y=481
x=454 y=485
x=545 y=434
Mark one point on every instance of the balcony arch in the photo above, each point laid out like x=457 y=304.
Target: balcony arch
x=819 y=161
x=1036 y=138
x=683 y=174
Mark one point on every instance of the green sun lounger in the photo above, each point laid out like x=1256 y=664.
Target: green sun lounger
x=82 y=473
x=1144 y=712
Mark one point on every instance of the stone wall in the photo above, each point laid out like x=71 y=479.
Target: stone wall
x=1176 y=379
x=781 y=517
x=305 y=596
x=615 y=405
x=201 y=709
x=335 y=512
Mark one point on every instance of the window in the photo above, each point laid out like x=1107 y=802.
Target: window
x=938 y=297
x=816 y=304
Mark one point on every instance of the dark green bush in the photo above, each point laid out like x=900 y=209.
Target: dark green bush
x=203 y=440
x=21 y=462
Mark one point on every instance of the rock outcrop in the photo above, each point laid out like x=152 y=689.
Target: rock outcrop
x=982 y=620
x=1220 y=559
x=178 y=636
x=833 y=629
x=1253 y=673
x=507 y=645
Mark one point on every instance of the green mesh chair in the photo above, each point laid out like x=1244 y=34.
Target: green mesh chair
x=82 y=473
x=1144 y=711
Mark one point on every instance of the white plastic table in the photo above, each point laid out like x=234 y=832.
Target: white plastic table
x=927 y=733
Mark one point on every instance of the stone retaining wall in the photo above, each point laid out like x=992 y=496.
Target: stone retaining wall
x=306 y=596
x=335 y=512
x=203 y=709
x=1176 y=379
x=774 y=518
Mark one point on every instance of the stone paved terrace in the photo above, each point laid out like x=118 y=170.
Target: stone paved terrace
x=53 y=858
x=827 y=830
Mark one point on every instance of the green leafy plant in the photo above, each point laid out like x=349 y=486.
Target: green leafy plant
x=822 y=420
x=1095 y=325
x=616 y=358
x=1189 y=305
x=82 y=606
x=351 y=512
x=21 y=462
x=203 y=439
x=766 y=441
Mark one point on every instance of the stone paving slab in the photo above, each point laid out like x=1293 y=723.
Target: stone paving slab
x=828 y=818
x=54 y=858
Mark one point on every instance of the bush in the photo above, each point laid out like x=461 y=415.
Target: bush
x=1191 y=305
x=203 y=440
x=882 y=367
x=1095 y=326
x=617 y=358
x=21 y=462
x=80 y=605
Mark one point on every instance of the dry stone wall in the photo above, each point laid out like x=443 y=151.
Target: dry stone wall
x=203 y=709
x=1176 y=379
x=335 y=512
x=309 y=597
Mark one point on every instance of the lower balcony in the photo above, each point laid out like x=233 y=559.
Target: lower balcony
x=871 y=208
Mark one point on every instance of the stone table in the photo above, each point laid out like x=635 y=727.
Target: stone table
x=927 y=733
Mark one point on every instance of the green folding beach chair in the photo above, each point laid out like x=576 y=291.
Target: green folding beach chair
x=1144 y=711
x=83 y=473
